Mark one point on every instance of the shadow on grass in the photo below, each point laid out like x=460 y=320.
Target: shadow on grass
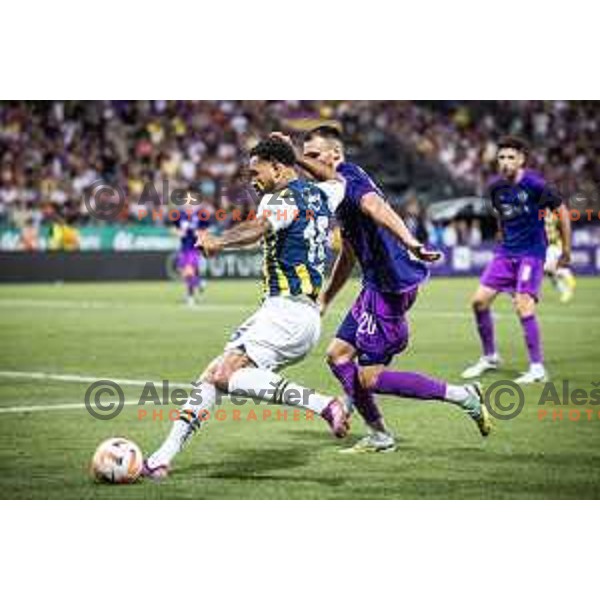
x=256 y=464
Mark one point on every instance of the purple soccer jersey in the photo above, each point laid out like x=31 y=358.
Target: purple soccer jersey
x=190 y=223
x=386 y=264
x=518 y=264
x=376 y=325
x=189 y=258
x=518 y=207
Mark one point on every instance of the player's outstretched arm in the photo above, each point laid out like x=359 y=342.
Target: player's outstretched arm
x=564 y=226
x=244 y=234
x=383 y=214
x=342 y=269
x=316 y=168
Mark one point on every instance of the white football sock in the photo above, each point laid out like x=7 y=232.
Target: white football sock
x=456 y=394
x=202 y=398
x=263 y=384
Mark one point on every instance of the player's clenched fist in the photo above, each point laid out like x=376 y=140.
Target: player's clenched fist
x=424 y=254
x=278 y=135
x=208 y=243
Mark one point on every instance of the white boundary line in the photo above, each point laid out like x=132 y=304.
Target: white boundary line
x=44 y=408
x=93 y=304
x=68 y=378
x=200 y=307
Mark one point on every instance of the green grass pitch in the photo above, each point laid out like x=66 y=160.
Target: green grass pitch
x=143 y=331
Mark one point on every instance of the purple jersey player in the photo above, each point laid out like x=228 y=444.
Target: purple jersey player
x=519 y=197
x=191 y=219
x=376 y=328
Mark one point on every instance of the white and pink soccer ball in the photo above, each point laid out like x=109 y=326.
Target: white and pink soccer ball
x=117 y=460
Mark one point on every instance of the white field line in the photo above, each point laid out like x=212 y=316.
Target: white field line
x=207 y=307
x=66 y=378
x=99 y=304
x=46 y=407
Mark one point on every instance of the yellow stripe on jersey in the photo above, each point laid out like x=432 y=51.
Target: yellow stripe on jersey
x=265 y=272
x=272 y=270
x=282 y=280
x=305 y=280
x=553 y=228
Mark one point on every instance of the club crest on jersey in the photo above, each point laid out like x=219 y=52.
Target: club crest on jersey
x=312 y=198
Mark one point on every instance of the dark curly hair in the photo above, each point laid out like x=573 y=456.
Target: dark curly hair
x=514 y=143
x=275 y=150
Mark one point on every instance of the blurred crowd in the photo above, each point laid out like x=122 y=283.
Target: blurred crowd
x=564 y=137
x=51 y=152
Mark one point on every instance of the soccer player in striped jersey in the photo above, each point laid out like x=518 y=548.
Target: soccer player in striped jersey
x=293 y=222
x=561 y=276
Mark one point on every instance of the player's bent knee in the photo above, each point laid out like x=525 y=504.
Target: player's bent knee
x=483 y=298
x=339 y=352
x=208 y=373
x=368 y=376
x=227 y=367
x=221 y=376
x=479 y=303
x=524 y=305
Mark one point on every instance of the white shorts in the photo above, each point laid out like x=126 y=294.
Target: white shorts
x=281 y=332
x=553 y=253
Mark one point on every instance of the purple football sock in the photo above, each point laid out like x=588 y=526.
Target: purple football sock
x=531 y=329
x=347 y=374
x=485 y=327
x=412 y=385
x=192 y=283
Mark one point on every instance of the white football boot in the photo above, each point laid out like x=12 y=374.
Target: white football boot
x=536 y=374
x=484 y=364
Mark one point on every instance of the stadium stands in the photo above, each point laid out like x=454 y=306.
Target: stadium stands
x=51 y=151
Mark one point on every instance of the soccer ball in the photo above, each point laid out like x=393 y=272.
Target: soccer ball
x=117 y=460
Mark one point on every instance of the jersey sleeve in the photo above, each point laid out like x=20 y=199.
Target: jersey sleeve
x=335 y=191
x=279 y=215
x=358 y=184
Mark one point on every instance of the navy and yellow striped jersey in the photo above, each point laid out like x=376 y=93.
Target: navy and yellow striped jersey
x=295 y=249
x=552 y=224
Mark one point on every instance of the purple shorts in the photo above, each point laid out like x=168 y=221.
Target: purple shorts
x=188 y=258
x=516 y=274
x=376 y=325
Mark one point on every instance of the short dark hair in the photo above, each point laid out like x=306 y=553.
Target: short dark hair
x=328 y=132
x=275 y=150
x=514 y=143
